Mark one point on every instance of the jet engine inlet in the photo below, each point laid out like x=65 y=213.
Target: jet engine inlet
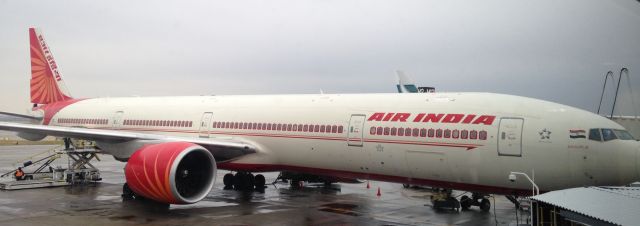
x=173 y=172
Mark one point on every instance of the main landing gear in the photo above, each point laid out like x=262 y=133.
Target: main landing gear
x=443 y=199
x=244 y=181
x=128 y=194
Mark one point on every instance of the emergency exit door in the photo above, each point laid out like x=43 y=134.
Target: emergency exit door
x=355 y=130
x=204 y=124
x=510 y=137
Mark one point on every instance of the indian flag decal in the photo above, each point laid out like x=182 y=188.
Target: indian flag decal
x=577 y=133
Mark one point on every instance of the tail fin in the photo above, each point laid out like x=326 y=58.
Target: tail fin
x=404 y=84
x=47 y=85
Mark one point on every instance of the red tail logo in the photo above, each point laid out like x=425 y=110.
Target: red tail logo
x=47 y=85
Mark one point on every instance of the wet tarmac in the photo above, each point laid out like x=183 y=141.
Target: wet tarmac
x=278 y=204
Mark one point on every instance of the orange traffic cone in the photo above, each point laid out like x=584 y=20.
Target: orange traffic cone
x=379 y=194
x=368 y=186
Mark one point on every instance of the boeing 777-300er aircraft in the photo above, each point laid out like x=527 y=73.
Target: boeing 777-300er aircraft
x=466 y=141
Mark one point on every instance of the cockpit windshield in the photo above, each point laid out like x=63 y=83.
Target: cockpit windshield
x=609 y=134
x=623 y=134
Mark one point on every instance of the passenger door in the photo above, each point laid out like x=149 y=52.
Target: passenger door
x=510 y=137
x=205 y=123
x=355 y=130
x=117 y=119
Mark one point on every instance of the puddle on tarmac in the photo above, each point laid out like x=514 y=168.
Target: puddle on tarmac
x=8 y=201
x=131 y=218
x=202 y=204
x=107 y=197
x=340 y=208
x=5 y=209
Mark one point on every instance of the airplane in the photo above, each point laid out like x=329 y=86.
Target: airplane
x=173 y=146
x=405 y=85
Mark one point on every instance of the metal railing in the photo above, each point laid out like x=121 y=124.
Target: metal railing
x=624 y=71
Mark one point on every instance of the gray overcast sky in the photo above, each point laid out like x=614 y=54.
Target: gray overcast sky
x=547 y=49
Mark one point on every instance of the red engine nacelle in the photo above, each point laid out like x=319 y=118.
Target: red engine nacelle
x=173 y=172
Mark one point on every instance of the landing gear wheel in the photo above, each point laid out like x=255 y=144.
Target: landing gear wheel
x=251 y=182
x=465 y=202
x=295 y=183
x=243 y=181
x=260 y=182
x=228 y=180
x=127 y=193
x=239 y=181
x=406 y=185
x=485 y=205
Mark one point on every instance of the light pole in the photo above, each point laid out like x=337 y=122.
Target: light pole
x=535 y=190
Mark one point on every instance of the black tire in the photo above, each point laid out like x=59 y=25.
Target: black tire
x=295 y=183
x=485 y=205
x=127 y=193
x=243 y=181
x=456 y=203
x=251 y=182
x=239 y=181
x=465 y=202
x=406 y=185
x=260 y=181
x=228 y=180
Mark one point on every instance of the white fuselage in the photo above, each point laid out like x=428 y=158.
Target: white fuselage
x=525 y=135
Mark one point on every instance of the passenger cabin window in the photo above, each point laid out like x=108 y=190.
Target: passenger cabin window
x=464 y=134
x=447 y=133
x=482 y=135
x=594 y=134
x=455 y=134
x=407 y=132
x=473 y=135
x=607 y=134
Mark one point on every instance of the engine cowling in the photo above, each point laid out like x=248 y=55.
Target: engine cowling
x=172 y=172
x=31 y=136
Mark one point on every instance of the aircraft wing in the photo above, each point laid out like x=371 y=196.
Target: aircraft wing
x=13 y=117
x=226 y=149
